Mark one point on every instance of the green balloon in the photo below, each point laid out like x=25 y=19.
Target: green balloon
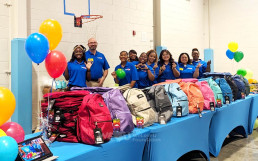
x=238 y=56
x=242 y=72
x=120 y=73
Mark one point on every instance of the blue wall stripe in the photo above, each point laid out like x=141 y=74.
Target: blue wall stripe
x=208 y=55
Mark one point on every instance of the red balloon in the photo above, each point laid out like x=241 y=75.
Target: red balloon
x=13 y=130
x=55 y=63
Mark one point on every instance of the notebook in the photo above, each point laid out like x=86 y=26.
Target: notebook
x=34 y=149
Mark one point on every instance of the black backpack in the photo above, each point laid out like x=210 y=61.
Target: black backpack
x=233 y=86
x=247 y=86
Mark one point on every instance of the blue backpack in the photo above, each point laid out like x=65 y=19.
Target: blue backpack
x=225 y=88
x=177 y=98
x=240 y=84
x=247 y=86
x=215 y=88
x=216 y=74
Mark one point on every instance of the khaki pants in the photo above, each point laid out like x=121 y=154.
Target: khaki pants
x=92 y=84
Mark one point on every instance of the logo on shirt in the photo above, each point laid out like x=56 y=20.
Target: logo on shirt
x=189 y=68
x=83 y=67
x=128 y=69
x=99 y=57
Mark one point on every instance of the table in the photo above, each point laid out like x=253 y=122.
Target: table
x=227 y=118
x=253 y=113
x=126 y=148
x=179 y=136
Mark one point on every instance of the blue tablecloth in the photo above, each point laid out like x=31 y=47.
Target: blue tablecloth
x=125 y=148
x=178 y=137
x=253 y=113
x=225 y=120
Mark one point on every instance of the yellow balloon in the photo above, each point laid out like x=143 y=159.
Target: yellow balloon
x=53 y=31
x=7 y=104
x=249 y=74
x=233 y=46
x=2 y=133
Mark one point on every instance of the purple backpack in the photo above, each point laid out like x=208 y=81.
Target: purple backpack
x=119 y=109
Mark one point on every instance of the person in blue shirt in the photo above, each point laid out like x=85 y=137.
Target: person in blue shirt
x=187 y=70
x=205 y=66
x=133 y=56
x=168 y=68
x=77 y=71
x=153 y=62
x=100 y=66
x=145 y=72
x=131 y=72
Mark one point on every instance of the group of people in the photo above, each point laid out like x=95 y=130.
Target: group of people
x=90 y=68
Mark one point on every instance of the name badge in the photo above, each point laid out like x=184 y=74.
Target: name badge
x=90 y=59
x=181 y=68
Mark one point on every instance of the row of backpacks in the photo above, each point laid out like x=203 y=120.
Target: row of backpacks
x=88 y=115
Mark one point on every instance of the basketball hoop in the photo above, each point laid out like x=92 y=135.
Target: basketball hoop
x=90 y=18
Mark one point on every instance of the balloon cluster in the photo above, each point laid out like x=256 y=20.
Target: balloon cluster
x=247 y=73
x=11 y=133
x=232 y=52
x=40 y=46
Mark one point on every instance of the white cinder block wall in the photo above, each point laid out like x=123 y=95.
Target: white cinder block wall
x=4 y=44
x=182 y=26
x=234 y=20
x=113 y=32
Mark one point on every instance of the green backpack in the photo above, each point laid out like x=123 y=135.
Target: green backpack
x=215 y=88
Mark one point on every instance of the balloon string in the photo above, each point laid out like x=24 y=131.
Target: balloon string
x=39 y=100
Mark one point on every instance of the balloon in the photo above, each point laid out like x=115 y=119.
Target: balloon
x=55 y=63
x=8 y=148
x=2 y=133
x=120 y=73
x=53 y=31
x=238 y=56
x=37 y=47
x=252 y=81
x=7 y=104
x=233 y=46
x=242 y=72
x=230 y=54
x=249 y=74
x=255 y=124
x=14 y=130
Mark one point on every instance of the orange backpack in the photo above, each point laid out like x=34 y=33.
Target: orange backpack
x=168 y=82
x=195 y=97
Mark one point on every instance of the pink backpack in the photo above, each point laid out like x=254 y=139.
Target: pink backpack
x=193 y=80
x=94 y=123
x=207 y=94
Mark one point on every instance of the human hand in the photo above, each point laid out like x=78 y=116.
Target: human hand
x=163 y=67
x=114 y=74
x=174 y=65
x=209 y=62
x=155 y=66
x=88 y=65
x=199 y=65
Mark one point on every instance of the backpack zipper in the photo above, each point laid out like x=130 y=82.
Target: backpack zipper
x=143 y=109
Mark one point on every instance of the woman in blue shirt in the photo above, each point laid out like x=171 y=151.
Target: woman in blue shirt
x=187 y=70
x=145 y=72
x=77 y=70
x=131 y=72
x=153 y=62
x=168 y=68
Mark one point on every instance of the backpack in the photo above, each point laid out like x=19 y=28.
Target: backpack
x=247 y=86
x=158 y=99
x=193 y=80
x=225 y=88
x=118 y=109
x=194 y=95
x=233 y=86
x=240 y=84
x=94 y=120
x=178 y=99
x=216 y=74
x=207 y=93
x=139 y=106
x=215 y=88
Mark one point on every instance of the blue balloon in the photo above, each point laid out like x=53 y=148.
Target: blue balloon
x=8 y=148
x=230 y=54
x=37 y=47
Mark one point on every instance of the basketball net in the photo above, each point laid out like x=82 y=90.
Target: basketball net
x=91 y=23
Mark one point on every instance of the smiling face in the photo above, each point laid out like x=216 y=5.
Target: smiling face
x=184 y=59
x=165 y=56
x=78 y=53
x=195 y=55
x=132 y=56
x=92 y=43
x=123 y=56
x=152 y=57
x=143 y=58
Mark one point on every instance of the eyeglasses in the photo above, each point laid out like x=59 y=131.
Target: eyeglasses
x=93 y=42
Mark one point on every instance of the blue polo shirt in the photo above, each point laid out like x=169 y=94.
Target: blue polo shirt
x=77 y=73
x=167 y=73
x=186 y=71
x=156 y=74
x=202 y=68
x=144 y=81
x=131 y=74
x=99 y=64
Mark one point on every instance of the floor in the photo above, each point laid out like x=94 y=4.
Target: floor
x=236 y=148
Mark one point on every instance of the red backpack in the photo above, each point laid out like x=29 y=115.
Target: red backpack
x=94 y=123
